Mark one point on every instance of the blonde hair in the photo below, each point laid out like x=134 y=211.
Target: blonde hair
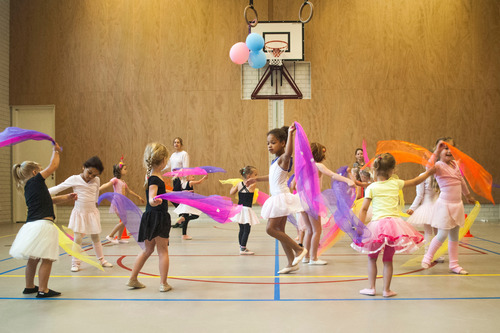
x=154 y=154
x=23 y=172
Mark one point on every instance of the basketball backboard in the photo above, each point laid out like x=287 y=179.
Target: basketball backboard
x=291 y=32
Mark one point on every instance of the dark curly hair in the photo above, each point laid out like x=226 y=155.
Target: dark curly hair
x=280 y=133
x=94 y=162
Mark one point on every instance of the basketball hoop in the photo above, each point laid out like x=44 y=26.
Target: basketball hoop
x=277 y=47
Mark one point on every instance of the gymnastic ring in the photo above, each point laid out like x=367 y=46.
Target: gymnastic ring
x=253 y=23
x=302 y=8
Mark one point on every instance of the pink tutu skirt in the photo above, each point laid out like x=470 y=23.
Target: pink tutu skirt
x=85 y=218
x=282 y=204
x=422 y=215
x=390 y=231
x=246 y=216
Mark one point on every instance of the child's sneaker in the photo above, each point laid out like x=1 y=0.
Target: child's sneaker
x=75 y=268
x=165 y=287
x=135 y=284
x=123 y=241
x=246 y=251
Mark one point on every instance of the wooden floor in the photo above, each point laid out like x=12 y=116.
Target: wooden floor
x=217 y=290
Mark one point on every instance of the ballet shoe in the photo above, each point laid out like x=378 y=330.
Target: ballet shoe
x=287 y=270
x=135 y=284
x=459 y=270
x=367 y=292
x=299 y=257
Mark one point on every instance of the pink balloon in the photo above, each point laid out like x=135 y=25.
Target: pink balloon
x=239 y=53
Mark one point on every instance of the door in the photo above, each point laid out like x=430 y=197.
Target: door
x=39 y=118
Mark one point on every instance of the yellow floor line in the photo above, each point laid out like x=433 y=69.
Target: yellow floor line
x=8 y=236
x=258 y=277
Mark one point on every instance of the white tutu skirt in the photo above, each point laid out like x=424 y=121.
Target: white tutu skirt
x=282 y=204
x=246 y=216
x=422 y=215
x=185 y=209
x=85 y=218
x=447 y=215
x=37 y=240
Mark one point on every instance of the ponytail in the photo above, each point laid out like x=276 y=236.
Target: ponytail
x=23 y=172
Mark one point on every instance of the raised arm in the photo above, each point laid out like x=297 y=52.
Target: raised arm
x=106 y=187
x=421 y=178
x=418 y=198
x=196 y=182
x=54 y=162
x=284 y=160
x=335 y=176
x=256 y=179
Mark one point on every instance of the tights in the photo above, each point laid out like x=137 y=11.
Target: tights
x=443 y=234
x=96 y=241
x=244 y=233
x=187 y=218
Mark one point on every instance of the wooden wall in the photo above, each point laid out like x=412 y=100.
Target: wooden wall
x=5 y=152
x=123 y=73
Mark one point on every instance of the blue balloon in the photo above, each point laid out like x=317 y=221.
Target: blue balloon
x=257 y=59
x=255 y=42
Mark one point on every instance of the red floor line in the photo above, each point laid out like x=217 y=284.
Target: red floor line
x=470 y=248
x=119 y=262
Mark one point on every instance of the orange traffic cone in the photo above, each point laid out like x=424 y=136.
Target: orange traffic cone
x=124 y=233
x=468 y=234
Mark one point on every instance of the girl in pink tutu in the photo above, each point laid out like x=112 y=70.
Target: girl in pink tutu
x=448 y=214
x=388 y=231
x=281 y=203
x=119 y=186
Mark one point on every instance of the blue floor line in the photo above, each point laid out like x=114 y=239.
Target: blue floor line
x=255 y=300
x=486 y=240
x=477 y=247
x=277 y=294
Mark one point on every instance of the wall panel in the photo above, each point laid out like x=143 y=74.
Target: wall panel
x=122 y=73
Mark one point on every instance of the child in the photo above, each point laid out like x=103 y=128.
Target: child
x=246 y=217
x=313 y=226
x=448 y=213
x=421 y=209
x=155 y=222
x=187 y=213
x=38 y=238
x=85 y=217
x=281 y=203
x=119 y=186
x=388 y=231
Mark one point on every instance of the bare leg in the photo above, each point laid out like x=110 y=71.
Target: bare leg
x=30 y=272
x=142 y=257
x=372 y=271
x=276 y=229
x=117 y=229
x=162 y=247
x=44 y=275
x=308 y=232
x=316 y=235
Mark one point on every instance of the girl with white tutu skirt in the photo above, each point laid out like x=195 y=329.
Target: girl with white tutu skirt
x=187 y=213
x=246 y=217
x=421 y=209
x=85 y=217
x=281 y=203
x=388 y=231
x=38 y=238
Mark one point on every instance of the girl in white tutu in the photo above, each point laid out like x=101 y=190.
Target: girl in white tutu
x=389 y=232
x=38 y=238
x=246 y=217
x=85 y=217
x=281 y=203
x=187 y=213
x=421 y=209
